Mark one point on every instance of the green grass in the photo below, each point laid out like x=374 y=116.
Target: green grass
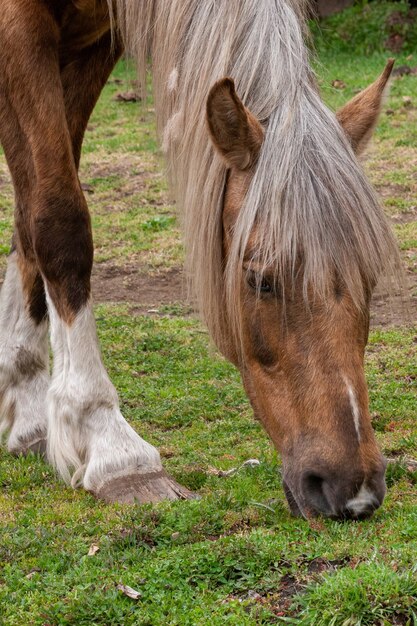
x=371 y=594
x=366 y=28
x=201 y=562
x=235 y=556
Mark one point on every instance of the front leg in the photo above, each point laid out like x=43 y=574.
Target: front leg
x=89 y=441
x=87 y=435
x=24 y=357
x=88 y=438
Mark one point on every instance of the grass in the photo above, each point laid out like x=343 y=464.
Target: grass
x=235 y=556
x=226 y=557
x=368 y=27
x=380 y=597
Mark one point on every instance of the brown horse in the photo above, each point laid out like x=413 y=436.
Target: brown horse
x=285 y=237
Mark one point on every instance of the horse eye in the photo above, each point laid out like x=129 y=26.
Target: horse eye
x=259 y=283
x=265 y=286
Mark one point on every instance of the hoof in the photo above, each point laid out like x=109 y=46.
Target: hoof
x=37 y=446
x=142 y=488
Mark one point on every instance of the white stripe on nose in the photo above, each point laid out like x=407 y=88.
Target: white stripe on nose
x=354 y=407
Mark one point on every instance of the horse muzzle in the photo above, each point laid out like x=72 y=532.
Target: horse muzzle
x=325 y=493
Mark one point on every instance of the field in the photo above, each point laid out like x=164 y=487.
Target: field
x=235 y=556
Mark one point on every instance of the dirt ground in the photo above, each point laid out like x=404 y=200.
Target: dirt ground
x=151 y=294
x=147 y=293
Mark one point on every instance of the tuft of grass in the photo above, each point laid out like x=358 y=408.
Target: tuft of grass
x=367 y=595
x=368 y=27
x=155 y=224
x=399 y=471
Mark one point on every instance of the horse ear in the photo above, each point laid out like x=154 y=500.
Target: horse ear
x=235 y=132
x=359 y=117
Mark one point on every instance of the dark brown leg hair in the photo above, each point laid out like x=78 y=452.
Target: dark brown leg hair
x=92 y=67
x=20 y=164
x=42 y=129
x=52 y=81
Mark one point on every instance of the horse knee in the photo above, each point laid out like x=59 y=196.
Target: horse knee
x=62 y=240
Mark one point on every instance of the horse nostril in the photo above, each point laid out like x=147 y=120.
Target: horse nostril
x=325 y=491
x=314 y=494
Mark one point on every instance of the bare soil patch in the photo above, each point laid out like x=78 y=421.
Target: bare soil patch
x=149 y=292
x=397 y=309
x=137 y=176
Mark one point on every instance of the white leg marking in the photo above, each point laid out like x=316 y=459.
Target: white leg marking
x=24 y=366
x=87 y=434
x=362 y=501
x=355 y=408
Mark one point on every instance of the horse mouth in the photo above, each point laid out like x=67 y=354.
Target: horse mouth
x=361 y=507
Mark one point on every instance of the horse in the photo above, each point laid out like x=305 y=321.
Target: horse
x=285 y=238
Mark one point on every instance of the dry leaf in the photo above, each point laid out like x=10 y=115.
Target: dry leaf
x=338 y=84
x=129 y=592
x=411 y=464
x=88 y=188
x=407 y=101
x=401 y=70
x=254 y=595
x=316 y=524
x=94 y=548
x=127 y=96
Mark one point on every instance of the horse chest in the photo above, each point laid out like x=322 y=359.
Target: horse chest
x=83 y=22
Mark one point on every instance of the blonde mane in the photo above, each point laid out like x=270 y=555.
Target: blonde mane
x=309 y=195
